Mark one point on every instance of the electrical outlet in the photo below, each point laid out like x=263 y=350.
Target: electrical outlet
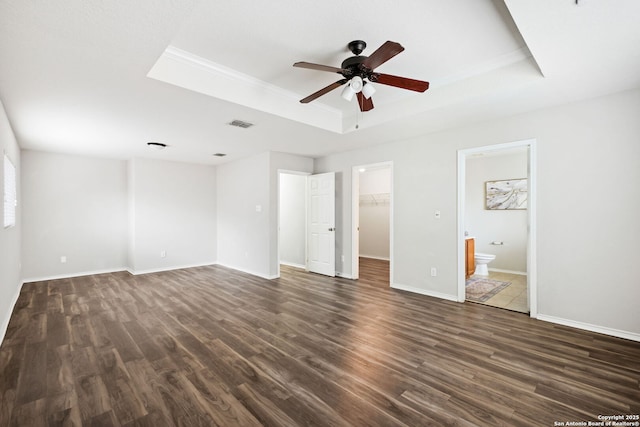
x=63 y=259
x=434 y=272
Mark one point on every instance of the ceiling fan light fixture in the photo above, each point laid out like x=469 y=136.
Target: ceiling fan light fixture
x=368 y=90
x=356 y=83
x=347 y=93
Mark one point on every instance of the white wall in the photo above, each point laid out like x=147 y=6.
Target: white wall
x=112 y=215
x=507 y=226
x=247 y=192
x=242 y=193
x=293 y=219
x=10 y=238
x=588 y=202
x=74 y=207
x=173 y=213
x=374 y=213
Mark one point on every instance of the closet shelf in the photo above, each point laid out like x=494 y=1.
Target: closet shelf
x=375 y=199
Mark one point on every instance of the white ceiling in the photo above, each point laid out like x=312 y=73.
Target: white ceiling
x=104 y=78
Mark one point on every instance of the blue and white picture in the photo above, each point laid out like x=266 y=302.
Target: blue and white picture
x=508 y=194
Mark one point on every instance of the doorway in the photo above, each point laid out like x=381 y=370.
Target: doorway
x=508 y=235
x=292 y=219
x=372 y=234
x=306 y=222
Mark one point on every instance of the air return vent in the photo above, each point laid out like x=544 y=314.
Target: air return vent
x=241 y=124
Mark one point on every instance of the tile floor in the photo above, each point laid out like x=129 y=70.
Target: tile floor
x=514 y=296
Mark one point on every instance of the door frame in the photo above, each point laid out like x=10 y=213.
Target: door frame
x=355 y=217
x=532 y=299
x=306 y=175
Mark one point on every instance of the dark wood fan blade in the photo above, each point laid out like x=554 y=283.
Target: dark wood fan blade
x=318 y=67
x=365 y=104
x=384 y=53
x=401 y=82
x=322 y=91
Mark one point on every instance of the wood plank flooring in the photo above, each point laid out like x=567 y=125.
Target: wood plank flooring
x=212 y=346
x=374 y=272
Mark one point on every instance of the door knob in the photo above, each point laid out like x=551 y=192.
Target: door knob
x=332 y=229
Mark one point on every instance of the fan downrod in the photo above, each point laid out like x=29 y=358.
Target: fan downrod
x=357 y=46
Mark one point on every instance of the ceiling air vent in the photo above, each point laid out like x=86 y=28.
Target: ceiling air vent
x=241 y=124
x=219 y=154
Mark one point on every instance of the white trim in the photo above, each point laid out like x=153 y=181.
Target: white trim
x=492 y=64
x=9 y=192
x=72 y=275
x=381 y=258
x=170 y=268
x=5 y=323
x=187 y=70
x=425 y=292
x=355 y=222
x=253 y=273
x=291 y=264
x=532 y=248
x=220 y=71
x=531 y=217
x=499 y=270
x=289 y=172
x=116 y=270
x=589 y=327
x=355 y=217
x=461 y=246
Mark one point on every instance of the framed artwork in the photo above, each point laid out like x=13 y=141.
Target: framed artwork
x=507 y=194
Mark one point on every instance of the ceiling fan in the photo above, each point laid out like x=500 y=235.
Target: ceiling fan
x=358 y=72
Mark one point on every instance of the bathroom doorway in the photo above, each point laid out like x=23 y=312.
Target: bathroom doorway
x=503 y=236
x=372 y=223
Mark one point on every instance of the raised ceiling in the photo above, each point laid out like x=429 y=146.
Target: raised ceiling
x=104 y=78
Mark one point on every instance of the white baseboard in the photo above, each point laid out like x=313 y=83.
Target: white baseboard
x=589 y=327
x=374 y=257
x=253 y=273
x=5 y=322
x=500 y=270
x=293 y=264
x=115 y=270
x=169 y=268
x=70 y=275
x=426 y=292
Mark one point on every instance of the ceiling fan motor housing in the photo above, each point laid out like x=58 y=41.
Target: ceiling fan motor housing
x=353 y=67
x=357 y=46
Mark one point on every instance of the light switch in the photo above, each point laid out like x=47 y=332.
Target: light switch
x=436 y=214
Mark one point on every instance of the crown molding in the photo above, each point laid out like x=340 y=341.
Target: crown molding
x=193 y=72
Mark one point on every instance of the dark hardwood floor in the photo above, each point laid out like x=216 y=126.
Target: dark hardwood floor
x=212 y=346
x=374 y=272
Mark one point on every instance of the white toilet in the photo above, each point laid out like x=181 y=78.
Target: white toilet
x=481 y=263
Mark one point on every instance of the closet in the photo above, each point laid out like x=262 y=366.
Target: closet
x=374 y=205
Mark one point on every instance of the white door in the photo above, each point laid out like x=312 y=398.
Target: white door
x=321 y=225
